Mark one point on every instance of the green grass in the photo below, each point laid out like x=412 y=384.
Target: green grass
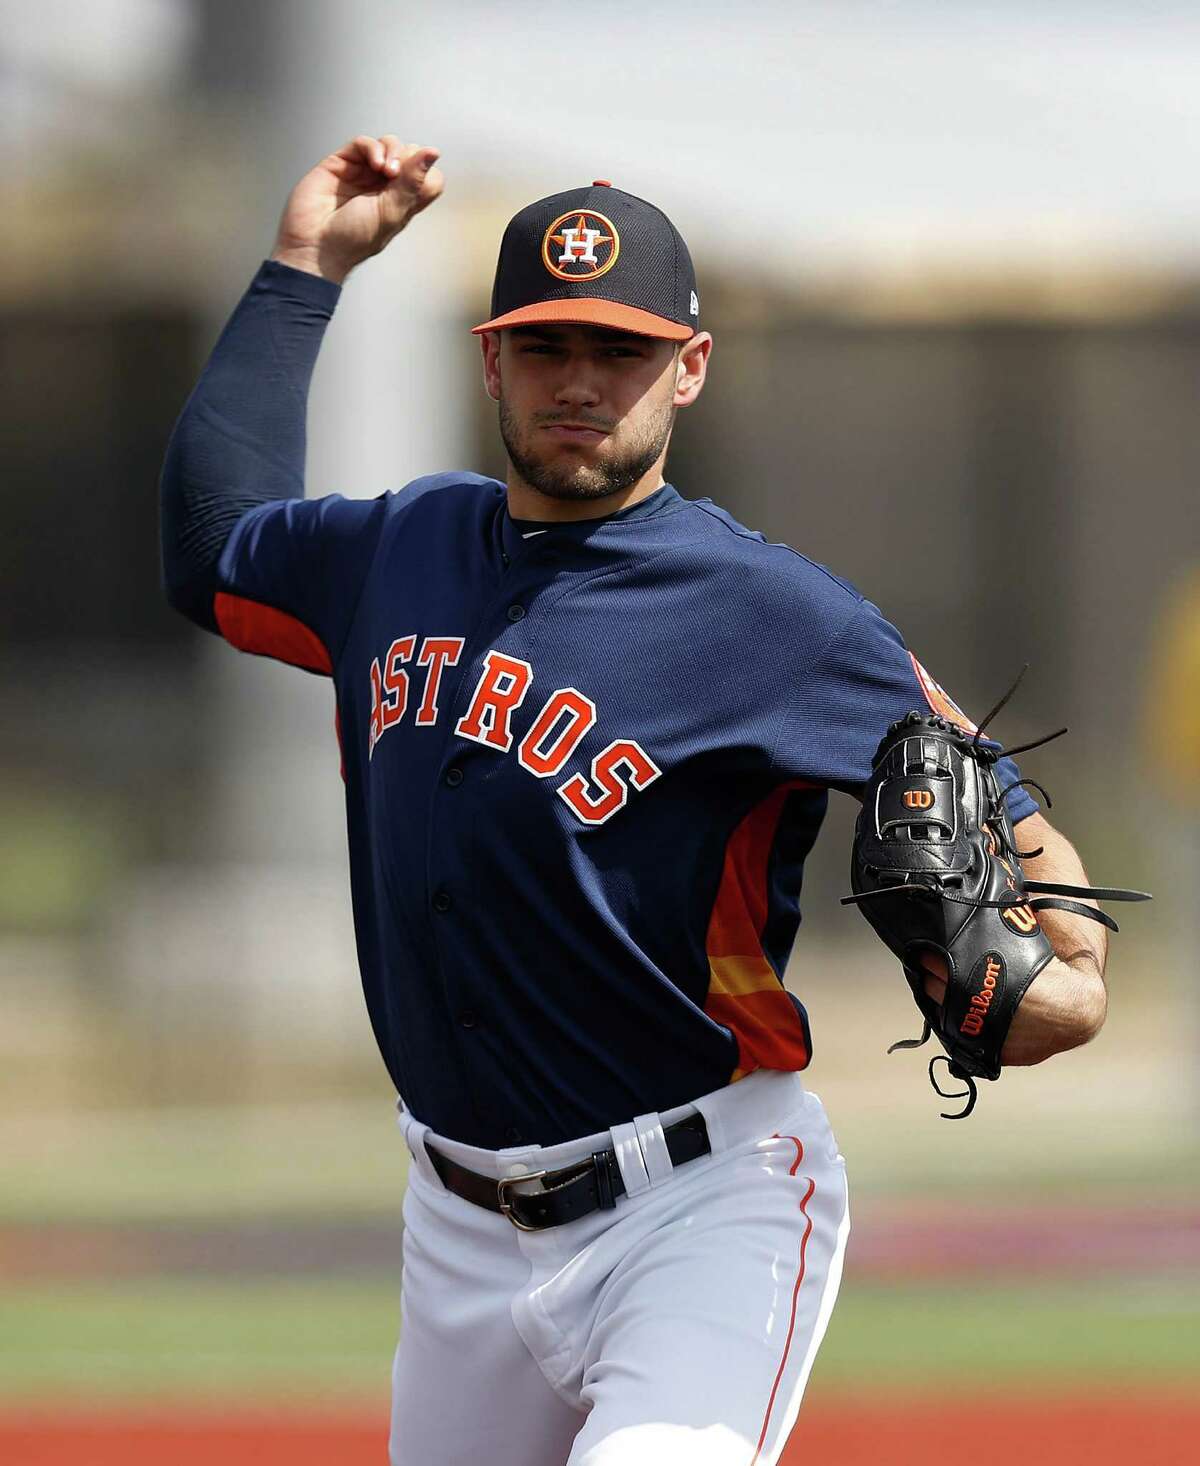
x=171 y=1164
x=320 y=1341
x=1044 y=1337
x=261 y=1341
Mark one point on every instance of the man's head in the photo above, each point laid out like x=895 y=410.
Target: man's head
x=587 y=411
x=593 y=342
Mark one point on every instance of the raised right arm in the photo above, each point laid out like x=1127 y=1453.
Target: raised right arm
x=239 y=442
x=240 y=439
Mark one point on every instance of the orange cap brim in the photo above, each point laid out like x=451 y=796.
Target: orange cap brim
x=582 y=312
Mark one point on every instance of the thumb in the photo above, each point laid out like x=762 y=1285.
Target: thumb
x=428 y=179
x=425 y=159
x=414 y=188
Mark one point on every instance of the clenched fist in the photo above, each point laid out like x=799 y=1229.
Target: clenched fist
x=354 y=203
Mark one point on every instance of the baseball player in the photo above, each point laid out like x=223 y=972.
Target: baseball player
x=588 y=731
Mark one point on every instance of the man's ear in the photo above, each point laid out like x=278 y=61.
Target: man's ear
x=489 y=343
x=691 y=367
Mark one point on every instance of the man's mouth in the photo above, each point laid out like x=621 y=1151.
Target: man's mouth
x=569 y=432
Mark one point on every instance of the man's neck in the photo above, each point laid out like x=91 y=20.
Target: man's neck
x=526 y=502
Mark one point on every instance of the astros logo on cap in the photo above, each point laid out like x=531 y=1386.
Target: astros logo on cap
x=581 y=245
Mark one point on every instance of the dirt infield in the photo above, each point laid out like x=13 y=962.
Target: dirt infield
x=1065 y=1433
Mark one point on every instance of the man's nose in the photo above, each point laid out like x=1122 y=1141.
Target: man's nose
x=579 y=384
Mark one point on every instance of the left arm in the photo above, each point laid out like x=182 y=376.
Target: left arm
x=1066 y=1003
x=865 y=680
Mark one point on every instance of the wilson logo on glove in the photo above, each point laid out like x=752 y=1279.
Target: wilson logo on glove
x=918 y=798
x=1021 y=919
x=972 y=1023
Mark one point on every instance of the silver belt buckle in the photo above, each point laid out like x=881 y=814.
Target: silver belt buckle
x=506 y=1206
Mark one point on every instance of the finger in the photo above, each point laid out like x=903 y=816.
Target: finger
x=430 y=189
x=424 y=181
x=414 y=188
x=393 y=153
x=936 y=974
x=363 y=149
x=408 y=156
x=415 y=160
x=343 y=167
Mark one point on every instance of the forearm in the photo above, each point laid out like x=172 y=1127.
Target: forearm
x=1066 y=1004
x=240 y=440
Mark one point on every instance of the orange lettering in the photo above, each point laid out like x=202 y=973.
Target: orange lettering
x=376 y=728
x=614 y=790
x=580 y=713
x=395 y=682
x=436 y=653
x=501 y=688
x=1020 y=918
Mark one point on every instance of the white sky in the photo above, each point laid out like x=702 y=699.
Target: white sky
x=825 y=126
x=785 y=135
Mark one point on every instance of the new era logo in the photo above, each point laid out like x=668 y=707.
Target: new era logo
x=694 y=308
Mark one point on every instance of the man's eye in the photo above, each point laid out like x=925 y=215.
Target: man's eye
x=621 y=351
x=538 y=348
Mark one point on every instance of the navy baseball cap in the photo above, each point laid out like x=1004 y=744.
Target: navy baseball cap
x=599 y=257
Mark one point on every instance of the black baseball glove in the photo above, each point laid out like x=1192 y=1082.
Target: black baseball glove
x=936 y=869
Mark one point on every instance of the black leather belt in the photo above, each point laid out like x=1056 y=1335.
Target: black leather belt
x=566 y=1195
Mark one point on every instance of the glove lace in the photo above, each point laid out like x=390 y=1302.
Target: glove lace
x=970 y=1094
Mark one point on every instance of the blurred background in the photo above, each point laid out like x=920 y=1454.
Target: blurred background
x=951 y=259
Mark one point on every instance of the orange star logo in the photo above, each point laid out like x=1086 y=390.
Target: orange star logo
x=587 y=245
x=570 y=239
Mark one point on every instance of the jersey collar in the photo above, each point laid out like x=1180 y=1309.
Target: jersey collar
x=663 y=500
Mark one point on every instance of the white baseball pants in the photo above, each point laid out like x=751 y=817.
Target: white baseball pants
x=677 y=1329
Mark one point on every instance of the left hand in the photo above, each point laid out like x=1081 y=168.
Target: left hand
x=1063 y=1007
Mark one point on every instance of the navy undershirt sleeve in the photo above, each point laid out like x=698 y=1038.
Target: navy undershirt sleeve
x=239 y=442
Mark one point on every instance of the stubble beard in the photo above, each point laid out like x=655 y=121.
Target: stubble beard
x=568 y=478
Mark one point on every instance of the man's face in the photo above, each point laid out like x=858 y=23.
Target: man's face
x=585 y=411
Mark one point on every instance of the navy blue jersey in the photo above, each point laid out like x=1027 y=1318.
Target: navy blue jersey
x=583 y=771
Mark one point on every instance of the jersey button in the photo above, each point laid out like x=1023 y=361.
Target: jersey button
x=468 y=1018
x=516 y=613
x=442 y=901
x=504 y=556
x=454 y=777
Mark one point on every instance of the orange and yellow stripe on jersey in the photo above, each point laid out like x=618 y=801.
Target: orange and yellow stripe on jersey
x=745 y=993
